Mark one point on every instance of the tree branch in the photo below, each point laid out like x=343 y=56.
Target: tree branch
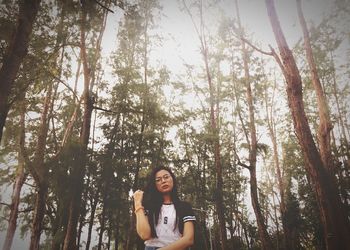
x=5 y=204
x=29 y=209
x=105 y=7
x=241 y=163
x=256 y=48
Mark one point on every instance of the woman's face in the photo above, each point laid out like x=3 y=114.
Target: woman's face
x=164 y=181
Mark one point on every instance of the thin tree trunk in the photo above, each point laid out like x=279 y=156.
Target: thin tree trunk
x=12 y=223
x=333 y=217
x=38 y=216
x=16 y=52
x=219 y=201
x=217 y=155
x=102 y=228
x=94 y=202
x=77 y=175
x=281 y=187
x=80 y=229
x=17 y=187
x=40 y=174
x=335 y=93
x=109 y=238
x=131 y=234
x=262 y=228
x=79 y=170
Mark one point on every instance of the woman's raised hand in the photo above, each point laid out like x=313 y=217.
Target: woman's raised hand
x=138 y=195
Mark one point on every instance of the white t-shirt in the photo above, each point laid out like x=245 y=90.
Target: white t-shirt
x=165 y=227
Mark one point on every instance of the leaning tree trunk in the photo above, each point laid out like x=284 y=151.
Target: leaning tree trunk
x=20 y=178
x=17 y=50
x=333 y=217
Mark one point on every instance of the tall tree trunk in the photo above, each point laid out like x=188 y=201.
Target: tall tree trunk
x=17 y=187
x=79 y=170
x=94 y=202
x=281 y=187
x=336 y=96
x=333 y=217
x=325 y=124
x=102 y=228
x=262 y=228
x=15 y=53
x=217 y=160
x=116 y=233
x=40 y=174
x=39 y=213
x=219 y=200
x=214 y=109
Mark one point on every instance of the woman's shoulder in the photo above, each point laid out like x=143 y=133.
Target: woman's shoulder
x=185 y=208
x=186 y=212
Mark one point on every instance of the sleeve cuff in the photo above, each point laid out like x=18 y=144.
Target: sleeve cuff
x=189 y=218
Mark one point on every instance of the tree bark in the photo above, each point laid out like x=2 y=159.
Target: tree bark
x=79 y=170
x=20 y=178
x=325 y=124
x=262 y=228
x=333 y=217
x=287 y=238
x=39 y=213
x=94 y=202
x=219 y=201
x=336 y=96
x=16 y=51
x=102 y=226
x=40 y=174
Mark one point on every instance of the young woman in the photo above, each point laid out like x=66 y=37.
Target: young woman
x=162 y=220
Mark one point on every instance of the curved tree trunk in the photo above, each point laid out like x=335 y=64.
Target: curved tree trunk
x=333 y=217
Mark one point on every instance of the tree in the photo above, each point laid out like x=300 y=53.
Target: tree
x=335 y=222
x=214 y=112
x=78 y=171
x=21 y=176
x=253 y=144
x=16 y=51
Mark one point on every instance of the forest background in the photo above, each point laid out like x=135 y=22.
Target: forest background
x=251 y=113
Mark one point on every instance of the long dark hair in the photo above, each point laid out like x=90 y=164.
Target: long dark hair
x=153 y=199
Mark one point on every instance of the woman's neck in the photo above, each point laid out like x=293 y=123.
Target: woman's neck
x=167 y=199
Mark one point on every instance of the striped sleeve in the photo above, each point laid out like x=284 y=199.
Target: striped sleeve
x=188 y=214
